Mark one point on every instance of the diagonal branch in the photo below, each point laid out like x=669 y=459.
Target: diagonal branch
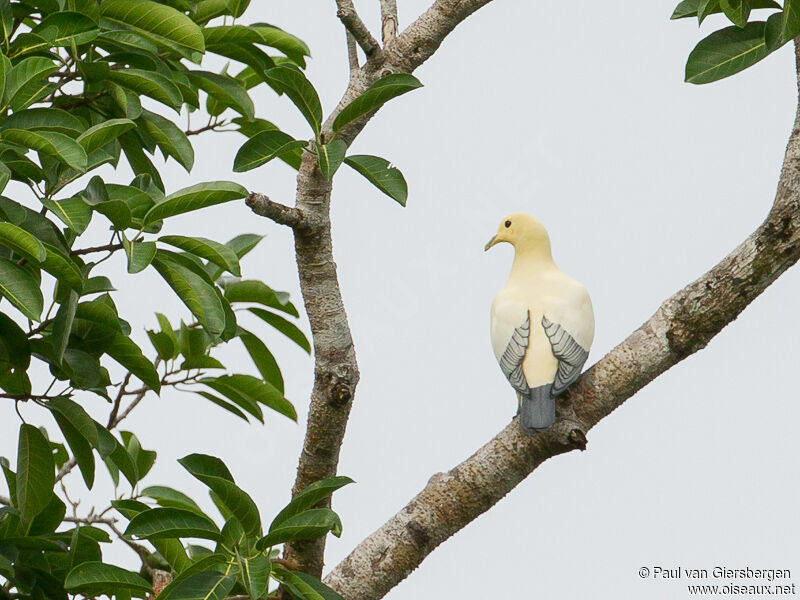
x=349 y=17
x=682 y=325
x=423 y=37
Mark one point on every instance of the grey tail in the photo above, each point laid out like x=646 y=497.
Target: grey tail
x=537 y=410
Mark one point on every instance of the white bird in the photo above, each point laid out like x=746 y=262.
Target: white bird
x=542 y=323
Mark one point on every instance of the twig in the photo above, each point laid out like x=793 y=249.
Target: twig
x=388 y=20
x=114 y=411
x=106 y=248
x=284 y=215
x=68 y=466
x=349 y=17
x=204 y=128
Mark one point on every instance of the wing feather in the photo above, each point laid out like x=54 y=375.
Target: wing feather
x=571 y=356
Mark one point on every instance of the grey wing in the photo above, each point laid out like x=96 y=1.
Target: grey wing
x=511 y=361
x=571 y=356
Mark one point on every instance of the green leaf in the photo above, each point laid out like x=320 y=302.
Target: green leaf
x=287 y=328
x=66 y=29
x=244 y=401
x=251 y=128
x=237 y=7
x=206 y=585
x=263 y=147
x=264 y=360
x=206 y=465
x=380 y=173
x=225 y=90
x=80 y=432
x=35 y=472
x=790 y=25
x=148 y=83
x=726 y=52
x=21 y=289
x=5 y=176
x=22 y=242
x=300 y=91
x=158 y=20
x=62 y=324
x=246 y=390
x=73 y=212
x=307 y=525
x=129 y=355
x=140 y=254
x=688 y=8
x=52 y=119
x=51 y=143
x=198 y=295
x=214 y=252
x=169 y=138
x=252 y=290
x=63 y=268
x=297 y=580
x=236 y=500
x=311 y=495
x=27 y=82
x=77 y=417
x=380 y=92
x=194 y=198
x=50 y=518
x=255 y=575
x=170 y=498
x=738 y=11
x=14 y=344
x=95 y=578
x=707 y=7
x=158 y=523
x=101 y=134
x=223 y=404
x=277 y=38
x=330 y=157
x=230 y=34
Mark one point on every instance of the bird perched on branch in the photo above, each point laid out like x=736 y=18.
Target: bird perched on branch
x=542 y=323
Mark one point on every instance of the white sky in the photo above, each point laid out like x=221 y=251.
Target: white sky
x=576 y=113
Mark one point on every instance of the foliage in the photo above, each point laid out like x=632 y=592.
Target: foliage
x=86 y=87
x=730 y=50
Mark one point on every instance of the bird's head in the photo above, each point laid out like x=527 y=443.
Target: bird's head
x=524 y=232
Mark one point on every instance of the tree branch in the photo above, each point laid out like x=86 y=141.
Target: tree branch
x=682 y=325
x=352 y=53
x=388 y=20
x=349 y=17
x=423 y=37
x=283 y=215
x=335 y=370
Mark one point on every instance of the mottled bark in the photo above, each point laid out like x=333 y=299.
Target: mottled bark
x=335 y=369
x=681 y=326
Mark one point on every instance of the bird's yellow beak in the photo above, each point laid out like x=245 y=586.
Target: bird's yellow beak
x=491 y=243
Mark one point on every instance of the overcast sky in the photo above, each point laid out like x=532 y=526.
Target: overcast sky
x=576 y=113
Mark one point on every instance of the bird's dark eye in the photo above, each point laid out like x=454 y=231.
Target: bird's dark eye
x=508 y=223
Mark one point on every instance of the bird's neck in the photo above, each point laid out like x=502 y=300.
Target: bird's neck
x=527 y=260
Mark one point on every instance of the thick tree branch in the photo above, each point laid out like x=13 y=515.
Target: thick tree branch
x=283 y=215
x=349 y=17
x=423 y=37
x=388 y=20
x=681 y=326
x=335 y=371
x=352 y=53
